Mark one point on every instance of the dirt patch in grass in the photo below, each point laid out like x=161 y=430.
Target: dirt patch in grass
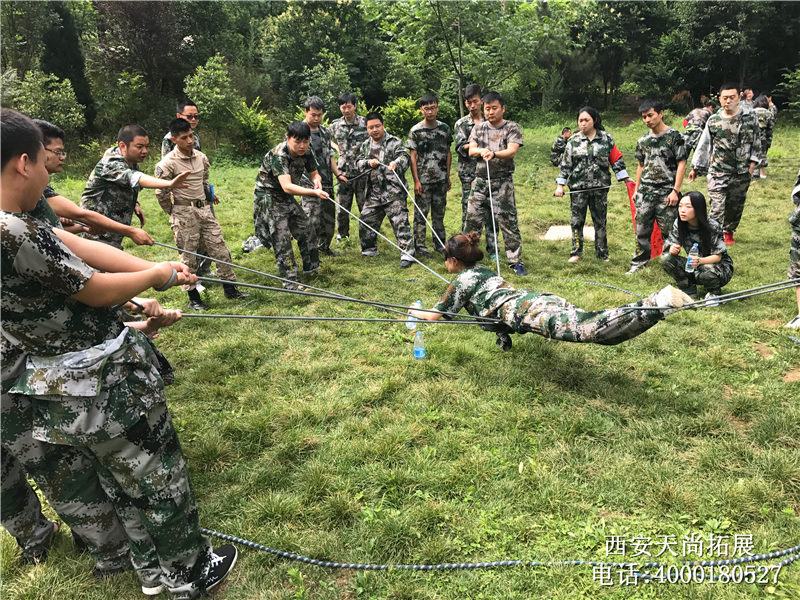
x=773 y=322
x=764 y=350
x=793 y=375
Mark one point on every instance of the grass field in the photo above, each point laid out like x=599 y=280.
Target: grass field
x=329 y=440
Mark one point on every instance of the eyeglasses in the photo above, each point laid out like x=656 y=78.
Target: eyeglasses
x=429 y=108
x=190 y=117
x=59 y=153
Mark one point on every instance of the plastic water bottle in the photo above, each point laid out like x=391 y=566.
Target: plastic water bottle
x=693 y=253
x=411 y=320
x=419 y=346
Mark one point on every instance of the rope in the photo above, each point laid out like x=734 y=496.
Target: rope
x=402 y=252
x=491 y=209
x=606 y=187
x=498 y=563
x=414 y=203
x=388 y=307
x=284 y=318
x=613 y=287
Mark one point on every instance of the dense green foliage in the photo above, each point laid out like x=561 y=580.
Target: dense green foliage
x=127 y=61
x=329 y=440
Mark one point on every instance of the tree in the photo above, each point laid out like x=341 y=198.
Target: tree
x=44 y=96
x=63 y=58
x=210 y=88
x=22 y=27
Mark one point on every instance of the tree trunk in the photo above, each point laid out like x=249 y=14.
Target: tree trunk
x=460 y=74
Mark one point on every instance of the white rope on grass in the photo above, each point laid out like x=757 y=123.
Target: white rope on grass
x=491 y=208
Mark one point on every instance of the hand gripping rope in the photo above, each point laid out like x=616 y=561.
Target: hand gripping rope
x=491 y=209
x=605 y=187
x=792 y=554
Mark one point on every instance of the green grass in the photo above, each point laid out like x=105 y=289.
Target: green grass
x=329 y=440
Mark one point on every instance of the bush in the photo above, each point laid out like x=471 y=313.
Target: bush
x=210 y=88
x=9 y=88
x=400 y=115
x=791 y=87
x=43 y=96
x=122 y=100
x=256 y=128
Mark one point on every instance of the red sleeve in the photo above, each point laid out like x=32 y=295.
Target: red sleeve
x=615 y=155
x=685 y=122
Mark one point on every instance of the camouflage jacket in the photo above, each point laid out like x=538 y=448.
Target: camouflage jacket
x=728 y=144
x=660 y=155
x=496 y=138
x=167 y=145
x=774 y=110
x=466 y=163
x=321 y=144
x=39 y=274
x=697 y=119
x=794 y=218
x=557 y=151
x=382 y=183
x=349 y=137
x=586 y=162
x=716 y=238
x=280 y=161
x=112 y=190
x=43 y=213
x=432 y=145
x=482 y=293
x=766 y=126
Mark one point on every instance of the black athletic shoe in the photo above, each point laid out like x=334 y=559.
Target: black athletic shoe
x=404 y=264
x=329 y=252
x=195 y=301
x=222 y=561
x=106 y=573
x=424 y=254
x=504 y=341
x=233 y=293
x=690 y=290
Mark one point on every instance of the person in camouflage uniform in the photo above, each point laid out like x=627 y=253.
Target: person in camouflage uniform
x=349 y=133
x=557 y=151
x=89 y=382
x=322 y=213
x=190 y=217
x=385 y=196
x=277 y=215
x=694 y=123
x=714 y=268
x=428 y=146
x=728 y=151
x=794 y=249
x=766 y=127
x=497 y=141
x=662 y=155
x=585 y=164
x=467 y=164
x=113 y=187
x=483 y=293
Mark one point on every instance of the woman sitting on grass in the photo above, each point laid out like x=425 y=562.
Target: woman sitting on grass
x=714 y=268
x=485 y=294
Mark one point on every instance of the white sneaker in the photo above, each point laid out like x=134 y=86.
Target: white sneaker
x=672 y=297
x=794 y=323
x=200 y=287
x=635 y=268
x=711 y=300
x=153 y=591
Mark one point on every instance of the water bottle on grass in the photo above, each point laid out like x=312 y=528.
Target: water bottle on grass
x=419 y=346
x=693 y=253
x=411 y=320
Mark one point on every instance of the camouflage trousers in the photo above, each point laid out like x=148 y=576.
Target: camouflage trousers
x=322 y=214
x=794 y=254
x=727 y=195
x=555 y=318
x=433 y=200
x=395 y=208
x=191 y=225
x=691 y=137
x=651 y=207
x=284 y=220
x=344 y=197
x=597 y=202
x=505 y=215
x=466 y=186
x=712 y=277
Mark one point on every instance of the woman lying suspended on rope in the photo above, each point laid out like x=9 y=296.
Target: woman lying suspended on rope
x=485 y=294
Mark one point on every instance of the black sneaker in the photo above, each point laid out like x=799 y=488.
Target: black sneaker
x=106 y=573
x=233 y=293
x=195 y=301
x=504 y=341
x=519 y=270
x=424 y=254
x=690 y=290
x=405 y=264
x=222 y=561
x=329 y=252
